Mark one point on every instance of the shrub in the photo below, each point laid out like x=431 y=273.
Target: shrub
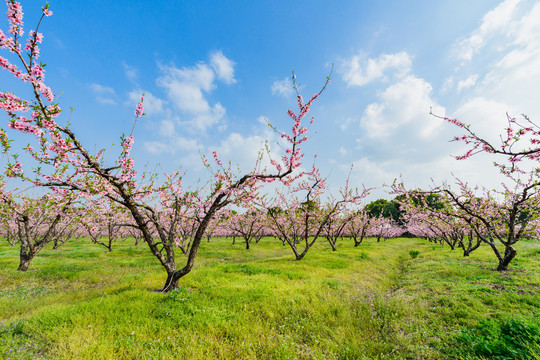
x=500 y=340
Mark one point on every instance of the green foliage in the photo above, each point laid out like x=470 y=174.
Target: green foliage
x=431 y=200
x=179 y=294
x=363 y=255
x=309 y=206
x=414 y=253
x=275 y=211
x=383 y=207
x=509 y=339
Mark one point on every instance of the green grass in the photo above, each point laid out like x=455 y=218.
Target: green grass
x=377 y=301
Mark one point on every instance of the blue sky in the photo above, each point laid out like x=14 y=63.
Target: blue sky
x=212 y=70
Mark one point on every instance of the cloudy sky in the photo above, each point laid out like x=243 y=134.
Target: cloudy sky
x=212 y=71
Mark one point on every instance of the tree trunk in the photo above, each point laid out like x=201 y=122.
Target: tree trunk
x=470 y=247
x=509 y=254
x=171 y=283
x=292 y=245
x=332 y=244
x=24 y=261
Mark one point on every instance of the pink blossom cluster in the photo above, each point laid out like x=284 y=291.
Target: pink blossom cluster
x=139 y=109
x=46 y=10
x=11 y=103
x=13 y=69
x=34 y=38
x=15 y=17
x=127 y=144
x=216 y=158
x=14 y=169
x=520 y=141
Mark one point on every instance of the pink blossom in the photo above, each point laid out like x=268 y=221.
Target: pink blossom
x=46 y=10
x=139 y=110
x=15 y=16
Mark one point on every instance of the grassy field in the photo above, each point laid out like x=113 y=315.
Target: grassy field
x=377 y=301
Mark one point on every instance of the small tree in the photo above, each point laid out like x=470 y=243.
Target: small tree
x=40 y=221
x=303 y=221
x=248 y=225
x=358 y=226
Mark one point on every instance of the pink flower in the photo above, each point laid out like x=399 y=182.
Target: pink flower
x=139 y=110
x=46 y=10
x=15 y=16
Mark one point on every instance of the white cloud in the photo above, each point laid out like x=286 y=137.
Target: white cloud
x=204 y=120
x=486 y=117
x=157 y=147
x=375 y=173
x=345 y=123
x=152 y=104
x=448 y=84
x=512 y=74
x=171 y=147
x=167 y=129
x=223 y=67
x=186 y=89
x=186 y=114
x=378 y=173
x=104 y=94
x=507 y=75
x=283 y=87
x=262 y=120
x=131 y=73
x=497 y=21
x=521 y=64
x=405 y=103
x=243 y=150
x=171 y=142
x=467 y=83
x=400 y=137
x=357 y=71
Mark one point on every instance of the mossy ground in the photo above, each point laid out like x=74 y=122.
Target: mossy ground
x=371 y=302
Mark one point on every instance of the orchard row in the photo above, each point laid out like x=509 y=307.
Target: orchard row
x=441 y=218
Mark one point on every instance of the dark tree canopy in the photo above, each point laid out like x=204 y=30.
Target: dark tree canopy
x=432 y=201
x=385 y=208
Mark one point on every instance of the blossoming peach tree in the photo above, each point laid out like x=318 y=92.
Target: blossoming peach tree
x=297 y=217
x=504 y=216
x=517 y=212
x=64 y=162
